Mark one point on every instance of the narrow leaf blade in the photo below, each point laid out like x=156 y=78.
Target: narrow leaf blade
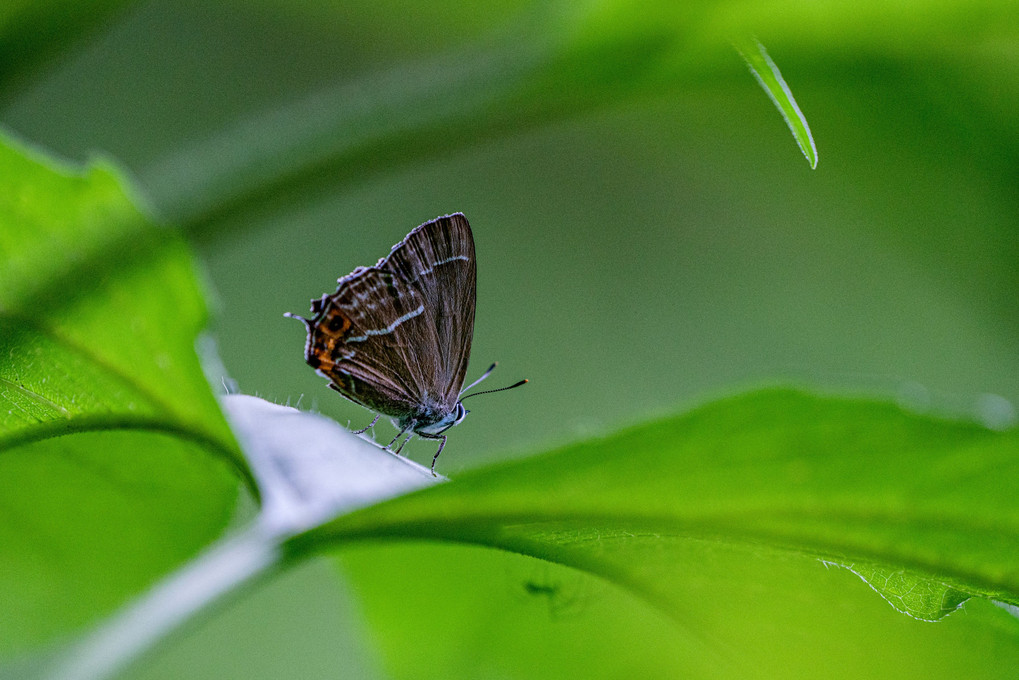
x=770 y=78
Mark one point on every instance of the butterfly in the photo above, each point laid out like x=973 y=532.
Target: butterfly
x=396 y=337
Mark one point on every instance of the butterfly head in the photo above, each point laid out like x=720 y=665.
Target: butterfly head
x=444 y=421
x=447 y=421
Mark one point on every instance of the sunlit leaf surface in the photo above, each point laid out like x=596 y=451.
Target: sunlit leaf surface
x=722 y=514
x=115 y=461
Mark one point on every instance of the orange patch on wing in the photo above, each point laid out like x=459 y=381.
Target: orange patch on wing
x=337 y=323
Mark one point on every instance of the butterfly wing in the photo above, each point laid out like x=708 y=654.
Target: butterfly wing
x=396 y=337
x=437 y=260
x=354 y=340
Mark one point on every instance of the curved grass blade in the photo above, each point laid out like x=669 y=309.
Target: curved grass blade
x=770 y=78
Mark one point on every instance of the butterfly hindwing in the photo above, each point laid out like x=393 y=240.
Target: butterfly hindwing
x=396 y=337
x=437 y=259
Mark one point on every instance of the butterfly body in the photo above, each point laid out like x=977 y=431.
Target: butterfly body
x=396 y=337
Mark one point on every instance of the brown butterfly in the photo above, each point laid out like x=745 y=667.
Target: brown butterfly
x=396 y=337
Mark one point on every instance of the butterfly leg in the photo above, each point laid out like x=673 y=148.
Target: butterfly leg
x=408 y=428
x=442 y=443
x=409 y=437
x=436 y=456
x=370 y=425
x=390 y=444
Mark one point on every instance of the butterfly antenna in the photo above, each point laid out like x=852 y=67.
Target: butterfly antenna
x=483 y=376
x=501 y=389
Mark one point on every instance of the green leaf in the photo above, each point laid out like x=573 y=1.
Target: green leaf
x=770 y=78
x=554 y=61
x=736 y=501
x=32 y=30
x=460 y=611
x=922 y=598
x=309 y=469
x=116 y=461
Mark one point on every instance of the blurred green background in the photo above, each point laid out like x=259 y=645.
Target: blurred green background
x=648 y=236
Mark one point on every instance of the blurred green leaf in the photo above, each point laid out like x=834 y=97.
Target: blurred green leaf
x=116 y=461
x=460 y=611
x=552 y=61
x=34 y=30
x=677 y=511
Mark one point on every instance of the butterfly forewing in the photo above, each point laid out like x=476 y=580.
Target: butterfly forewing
x=396 y=337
